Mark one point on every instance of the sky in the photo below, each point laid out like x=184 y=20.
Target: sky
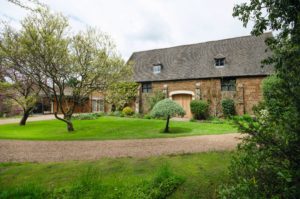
x=137 y=25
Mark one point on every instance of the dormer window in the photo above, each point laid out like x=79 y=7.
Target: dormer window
x=156 y=68
x=219 y=62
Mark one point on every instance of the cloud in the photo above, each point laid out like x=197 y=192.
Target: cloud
x=146 y=24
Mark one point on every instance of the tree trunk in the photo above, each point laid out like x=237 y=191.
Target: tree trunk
x=69 y=123
x=24 y=117
x=66 y=119
x=70 y=126
x=167 y=125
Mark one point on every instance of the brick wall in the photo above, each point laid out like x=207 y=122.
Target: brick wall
x=248 y=93
x=86 y=107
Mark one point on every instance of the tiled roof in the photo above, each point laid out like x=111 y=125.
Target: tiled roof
x=243 y=56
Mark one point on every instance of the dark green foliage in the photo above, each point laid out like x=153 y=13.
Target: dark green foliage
x=267 y=164
x=200 y=109
x=263 y=166
x=156 y=97
x=228 y=107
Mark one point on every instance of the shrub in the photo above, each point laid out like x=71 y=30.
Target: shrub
x=147 y=116
x=127 y=111
x=199 y=108
x=228 y=107
x=86 y=116
x=166 y=109
x=266 y=163
x=117 y=113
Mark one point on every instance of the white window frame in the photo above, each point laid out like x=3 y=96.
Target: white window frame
x=157 y=69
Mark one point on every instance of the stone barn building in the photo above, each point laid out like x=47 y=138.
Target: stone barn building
x=212 y=71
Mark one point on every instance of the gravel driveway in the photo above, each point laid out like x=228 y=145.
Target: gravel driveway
x=30 y=119
x=56 y=151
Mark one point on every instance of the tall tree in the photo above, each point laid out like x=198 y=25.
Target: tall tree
x=15 y=85
x=121 y=94
x=267 y=164
x=68 y=68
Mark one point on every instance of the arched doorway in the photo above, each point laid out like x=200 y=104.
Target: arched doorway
x=184 y=100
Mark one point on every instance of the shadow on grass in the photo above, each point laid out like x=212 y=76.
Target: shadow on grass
x=177 y=130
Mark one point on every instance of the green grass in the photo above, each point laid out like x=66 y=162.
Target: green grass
x=181 y=176
x=106 y=128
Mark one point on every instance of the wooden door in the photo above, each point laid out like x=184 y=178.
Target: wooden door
x=184 y=100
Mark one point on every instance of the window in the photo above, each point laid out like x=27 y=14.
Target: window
x=228 y=84
x=98 y=105
x=156 y=69
x=219 y=62
x=146 y=87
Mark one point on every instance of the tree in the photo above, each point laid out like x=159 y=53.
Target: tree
x=120 y=94
x=156 y=97
x=32 y=5
x=267 y=164
x=21 y=90
x=15 y=85
x=67 y=68
x=167 y=108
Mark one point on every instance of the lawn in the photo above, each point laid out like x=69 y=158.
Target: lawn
x=106 y=127
x=181 y=176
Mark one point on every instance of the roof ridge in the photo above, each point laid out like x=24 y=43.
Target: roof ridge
x=184 y=45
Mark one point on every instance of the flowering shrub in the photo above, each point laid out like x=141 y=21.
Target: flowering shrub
x=127 y=111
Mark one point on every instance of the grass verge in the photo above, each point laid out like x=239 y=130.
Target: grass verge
x=180 y=176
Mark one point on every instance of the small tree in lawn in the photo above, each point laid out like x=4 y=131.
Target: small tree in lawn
x=167 y=108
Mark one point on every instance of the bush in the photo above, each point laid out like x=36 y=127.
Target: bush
x=87 y=116
x=116 y=113
x=199 y=108
x=266 y=163
x=147 y=116
x=228 y=107
x=127 y=111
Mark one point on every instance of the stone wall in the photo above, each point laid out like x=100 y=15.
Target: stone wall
x=248 y=93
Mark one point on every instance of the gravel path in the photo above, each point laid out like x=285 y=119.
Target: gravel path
x=30 y=119
x=57 y=151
